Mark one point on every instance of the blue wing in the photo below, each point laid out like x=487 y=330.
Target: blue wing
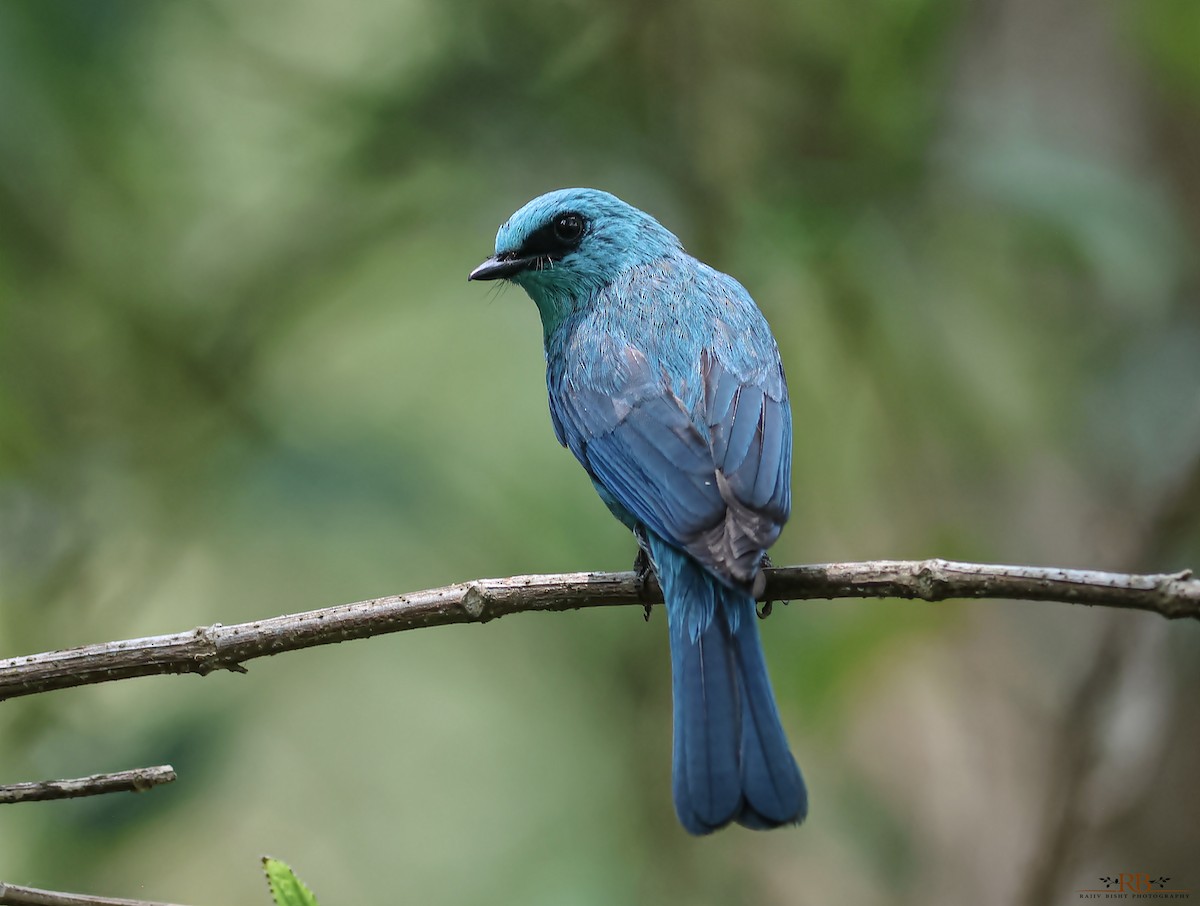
x=702 y=458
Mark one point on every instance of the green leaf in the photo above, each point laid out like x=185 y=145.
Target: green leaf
x=286 y=888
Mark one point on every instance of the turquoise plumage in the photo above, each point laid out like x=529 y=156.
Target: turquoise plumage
x=666 y=384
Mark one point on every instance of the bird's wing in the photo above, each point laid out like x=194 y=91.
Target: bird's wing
x=749 y=424
x=714 y=482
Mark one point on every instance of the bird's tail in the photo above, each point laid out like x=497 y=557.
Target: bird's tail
x=731 y=758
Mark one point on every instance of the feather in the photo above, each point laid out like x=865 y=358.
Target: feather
x=665 y=383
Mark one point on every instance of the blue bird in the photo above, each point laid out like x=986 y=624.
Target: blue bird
x=666 y=384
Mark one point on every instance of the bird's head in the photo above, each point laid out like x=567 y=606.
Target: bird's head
x=564 y=246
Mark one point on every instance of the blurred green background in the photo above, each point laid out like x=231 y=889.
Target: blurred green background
x=242 y=374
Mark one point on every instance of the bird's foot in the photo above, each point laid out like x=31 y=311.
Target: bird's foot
x=760 y=585
x=643 y=569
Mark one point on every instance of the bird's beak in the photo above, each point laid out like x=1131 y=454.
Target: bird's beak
x=500 y=267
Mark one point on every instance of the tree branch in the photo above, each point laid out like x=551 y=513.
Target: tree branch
x=12 y=895
x=217 y=647
x=133 y=781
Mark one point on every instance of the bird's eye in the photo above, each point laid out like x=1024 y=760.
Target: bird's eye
x=568 y=227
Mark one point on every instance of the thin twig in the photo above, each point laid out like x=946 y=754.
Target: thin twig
x=218 y=647
x=12 y=895
x=134 y=781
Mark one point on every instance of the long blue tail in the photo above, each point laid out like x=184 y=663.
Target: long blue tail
x=731 y=757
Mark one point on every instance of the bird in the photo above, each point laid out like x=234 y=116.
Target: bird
x=666 y=383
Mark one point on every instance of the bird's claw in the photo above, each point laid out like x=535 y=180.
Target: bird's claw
x=643 y=569
x=760 y=585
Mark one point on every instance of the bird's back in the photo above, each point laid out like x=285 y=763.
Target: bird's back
x=649 y=348
x=671 y=312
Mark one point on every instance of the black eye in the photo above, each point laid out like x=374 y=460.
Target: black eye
x=568 y=227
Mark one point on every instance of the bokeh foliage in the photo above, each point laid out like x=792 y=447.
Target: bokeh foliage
x=241 y=373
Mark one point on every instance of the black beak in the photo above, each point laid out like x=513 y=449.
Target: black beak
x=500 y=267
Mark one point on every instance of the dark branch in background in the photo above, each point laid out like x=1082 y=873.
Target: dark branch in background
x=12 y=895
x=218 y=647
x=134 y=781
x=1073 y=759
x=1068 y=828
